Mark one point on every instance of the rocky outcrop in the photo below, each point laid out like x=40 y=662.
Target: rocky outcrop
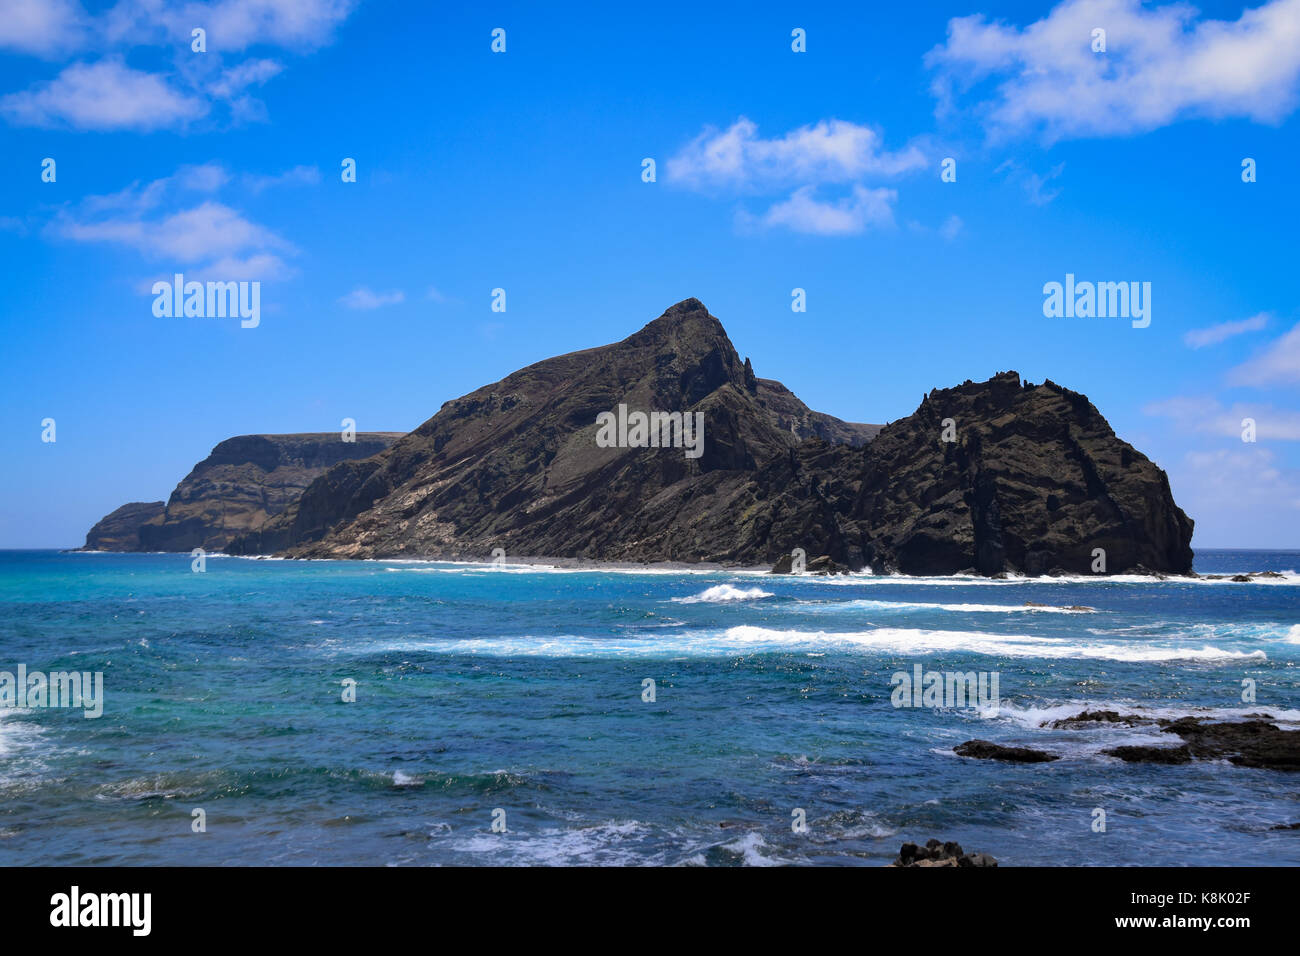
x=986 y=750
x=1033 y=480
x=1246 y=743
x=990 y=477
x=120 y=530
x=935 y=853
x=242 y=483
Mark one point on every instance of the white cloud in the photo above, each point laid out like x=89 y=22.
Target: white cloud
x=363 y=298
x=107 y=95
x=297 y=176
x=831 y=151
x=951 y=228
x=1279 y=364
x=1161 y=64
x=231 y=25
x=246 y=74
x=238 y=24
x=156 y=220
x=1199 y=338
x=848 y=216
x=1034 y=184
x=1208 y=416
x=42 y=27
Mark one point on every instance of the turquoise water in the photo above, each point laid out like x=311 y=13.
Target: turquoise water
x=517 y=689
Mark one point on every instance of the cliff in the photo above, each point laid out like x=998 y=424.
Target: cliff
x=242 y=483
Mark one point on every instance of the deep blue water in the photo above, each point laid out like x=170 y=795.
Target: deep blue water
x=521 y=690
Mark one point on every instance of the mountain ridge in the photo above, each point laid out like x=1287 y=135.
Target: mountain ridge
x=984 y=477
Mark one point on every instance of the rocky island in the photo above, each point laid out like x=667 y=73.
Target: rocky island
x=985 y=477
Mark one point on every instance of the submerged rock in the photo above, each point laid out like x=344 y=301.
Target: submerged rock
x=986 y=750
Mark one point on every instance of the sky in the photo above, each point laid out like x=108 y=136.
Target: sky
x=775 y=169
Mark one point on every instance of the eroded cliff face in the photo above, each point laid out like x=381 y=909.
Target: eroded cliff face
x=1034 y=480
x=242 y=483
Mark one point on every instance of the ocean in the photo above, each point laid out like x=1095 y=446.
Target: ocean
x=517 y=699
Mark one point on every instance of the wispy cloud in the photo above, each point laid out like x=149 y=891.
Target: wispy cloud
x=162 y=220
x=297 y=176
x=1278 y=364
x=1238 y=494
x=1162 y=64
x=1199 y=338
x=1035 y=185
x=363 y=298
x=1209 y=416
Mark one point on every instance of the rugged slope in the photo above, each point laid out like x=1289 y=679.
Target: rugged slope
x=242 y=483
x=516 y=465
x=1034 y=480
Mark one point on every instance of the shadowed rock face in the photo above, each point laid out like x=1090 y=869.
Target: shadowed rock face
x=1034 y=481
x=245 y=481
x=120 y=530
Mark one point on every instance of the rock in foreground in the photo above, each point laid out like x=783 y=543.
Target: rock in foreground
x=935 y=853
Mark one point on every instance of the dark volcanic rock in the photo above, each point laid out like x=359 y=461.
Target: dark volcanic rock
x=1034 y=482
x=1246 y=743
x=935 y=853
x=985 y=750
x=1101 y=717
x=1145 y=754
x=515 y=465
x=242 y=483
x=120 y=530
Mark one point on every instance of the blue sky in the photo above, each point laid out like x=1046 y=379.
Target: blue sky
x=522 y=170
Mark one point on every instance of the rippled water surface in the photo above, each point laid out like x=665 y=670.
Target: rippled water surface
x=520 y=689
